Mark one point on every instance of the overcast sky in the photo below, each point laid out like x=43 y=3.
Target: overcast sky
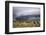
x=18 y=11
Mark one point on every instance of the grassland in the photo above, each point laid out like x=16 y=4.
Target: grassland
x=26 y=23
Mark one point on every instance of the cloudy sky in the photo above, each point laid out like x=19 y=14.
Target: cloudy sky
x=19 y=11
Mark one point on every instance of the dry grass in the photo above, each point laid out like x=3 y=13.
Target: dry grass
x=26 y=23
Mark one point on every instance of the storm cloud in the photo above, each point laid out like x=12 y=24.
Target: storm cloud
x=21 y=11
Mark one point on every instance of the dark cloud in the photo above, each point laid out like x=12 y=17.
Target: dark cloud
x=19 y=11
